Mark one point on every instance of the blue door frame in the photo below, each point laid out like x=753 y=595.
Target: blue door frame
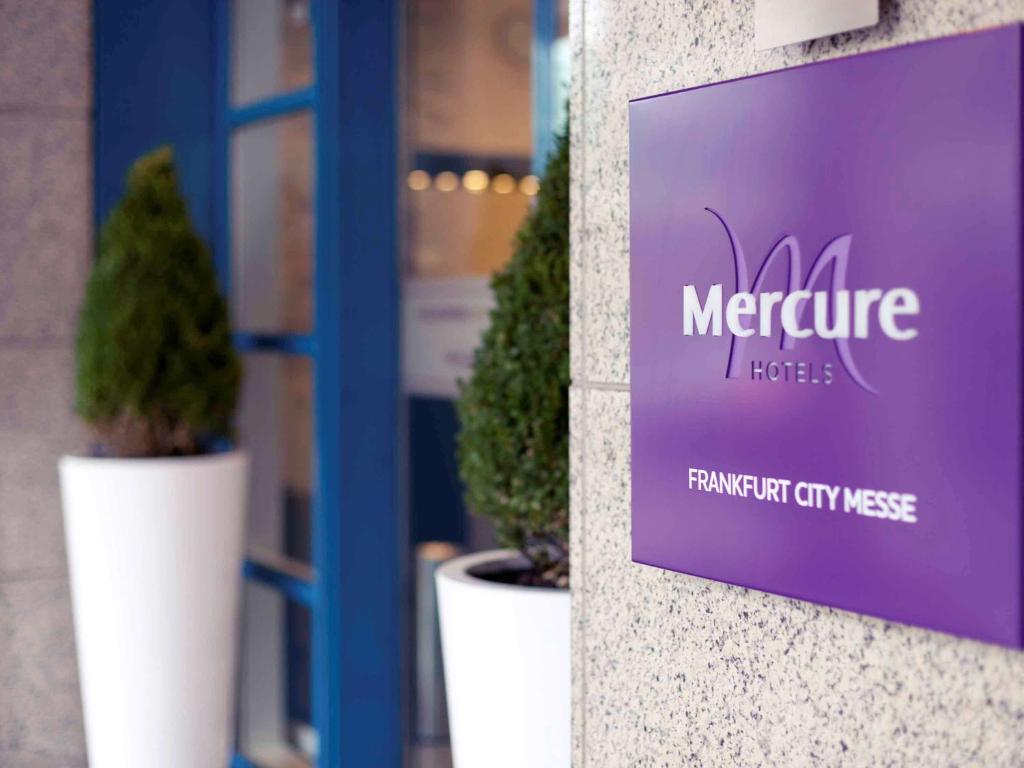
x=161 y=76
x=361 y=550
x=355 y=597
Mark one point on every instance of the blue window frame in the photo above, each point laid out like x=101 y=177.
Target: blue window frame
x=353 y=588
x=296 y=582
x=549 y=76
x=545 y=31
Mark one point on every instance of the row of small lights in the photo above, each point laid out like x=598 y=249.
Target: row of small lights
x=474 y=182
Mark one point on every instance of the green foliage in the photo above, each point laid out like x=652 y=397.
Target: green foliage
x=514 y=443
x=156 y=371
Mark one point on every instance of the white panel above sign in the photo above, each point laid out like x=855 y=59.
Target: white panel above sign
x=781 y=22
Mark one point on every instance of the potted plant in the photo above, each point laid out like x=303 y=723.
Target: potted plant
x=154 y=520
x=505 y=614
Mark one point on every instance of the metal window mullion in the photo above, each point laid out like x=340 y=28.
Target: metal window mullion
x=281 y=105
x=295 y=588
x=301 y=344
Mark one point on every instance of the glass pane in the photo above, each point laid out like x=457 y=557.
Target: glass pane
x=468 y=186
x=469 y=134
x=271 y=44
x=274 y=717
x=469 y=76
x=276 y=428
x=468 y=175
x=466 y=231
x=272 y=225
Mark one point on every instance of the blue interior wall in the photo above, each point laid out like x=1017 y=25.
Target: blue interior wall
x=435 y=492
x=154 y=85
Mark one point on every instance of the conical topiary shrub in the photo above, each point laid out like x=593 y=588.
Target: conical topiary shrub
x=514 y=443
x=156 y=371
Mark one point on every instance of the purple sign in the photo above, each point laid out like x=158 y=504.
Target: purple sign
x=826 y=315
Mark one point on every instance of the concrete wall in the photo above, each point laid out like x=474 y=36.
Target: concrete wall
x=671 y=670
x=45 y=247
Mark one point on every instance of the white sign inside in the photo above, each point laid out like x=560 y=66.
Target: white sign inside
x=781 y=22
x=443 y=320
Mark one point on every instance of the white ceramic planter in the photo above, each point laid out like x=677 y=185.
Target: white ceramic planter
x=506 y=668
x=154 y=554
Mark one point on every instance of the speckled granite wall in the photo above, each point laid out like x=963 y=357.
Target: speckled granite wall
x=45 y=246
x=672 y=670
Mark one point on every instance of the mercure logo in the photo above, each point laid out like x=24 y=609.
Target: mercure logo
x=839 y=314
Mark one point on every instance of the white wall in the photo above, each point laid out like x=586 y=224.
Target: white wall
x=671 y=670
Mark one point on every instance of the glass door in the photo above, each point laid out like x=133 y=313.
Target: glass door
x=268 y=134
x=305 y=238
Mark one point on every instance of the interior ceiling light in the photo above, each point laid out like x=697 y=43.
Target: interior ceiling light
x=475 y=181
x=446 y=181
x=418 y=180
x=529 y=185
x=503 y=183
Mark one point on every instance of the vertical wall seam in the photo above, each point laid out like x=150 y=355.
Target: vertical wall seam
x=582 y=176
x=581 y=153
x=581 y=666
x=581 y=566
